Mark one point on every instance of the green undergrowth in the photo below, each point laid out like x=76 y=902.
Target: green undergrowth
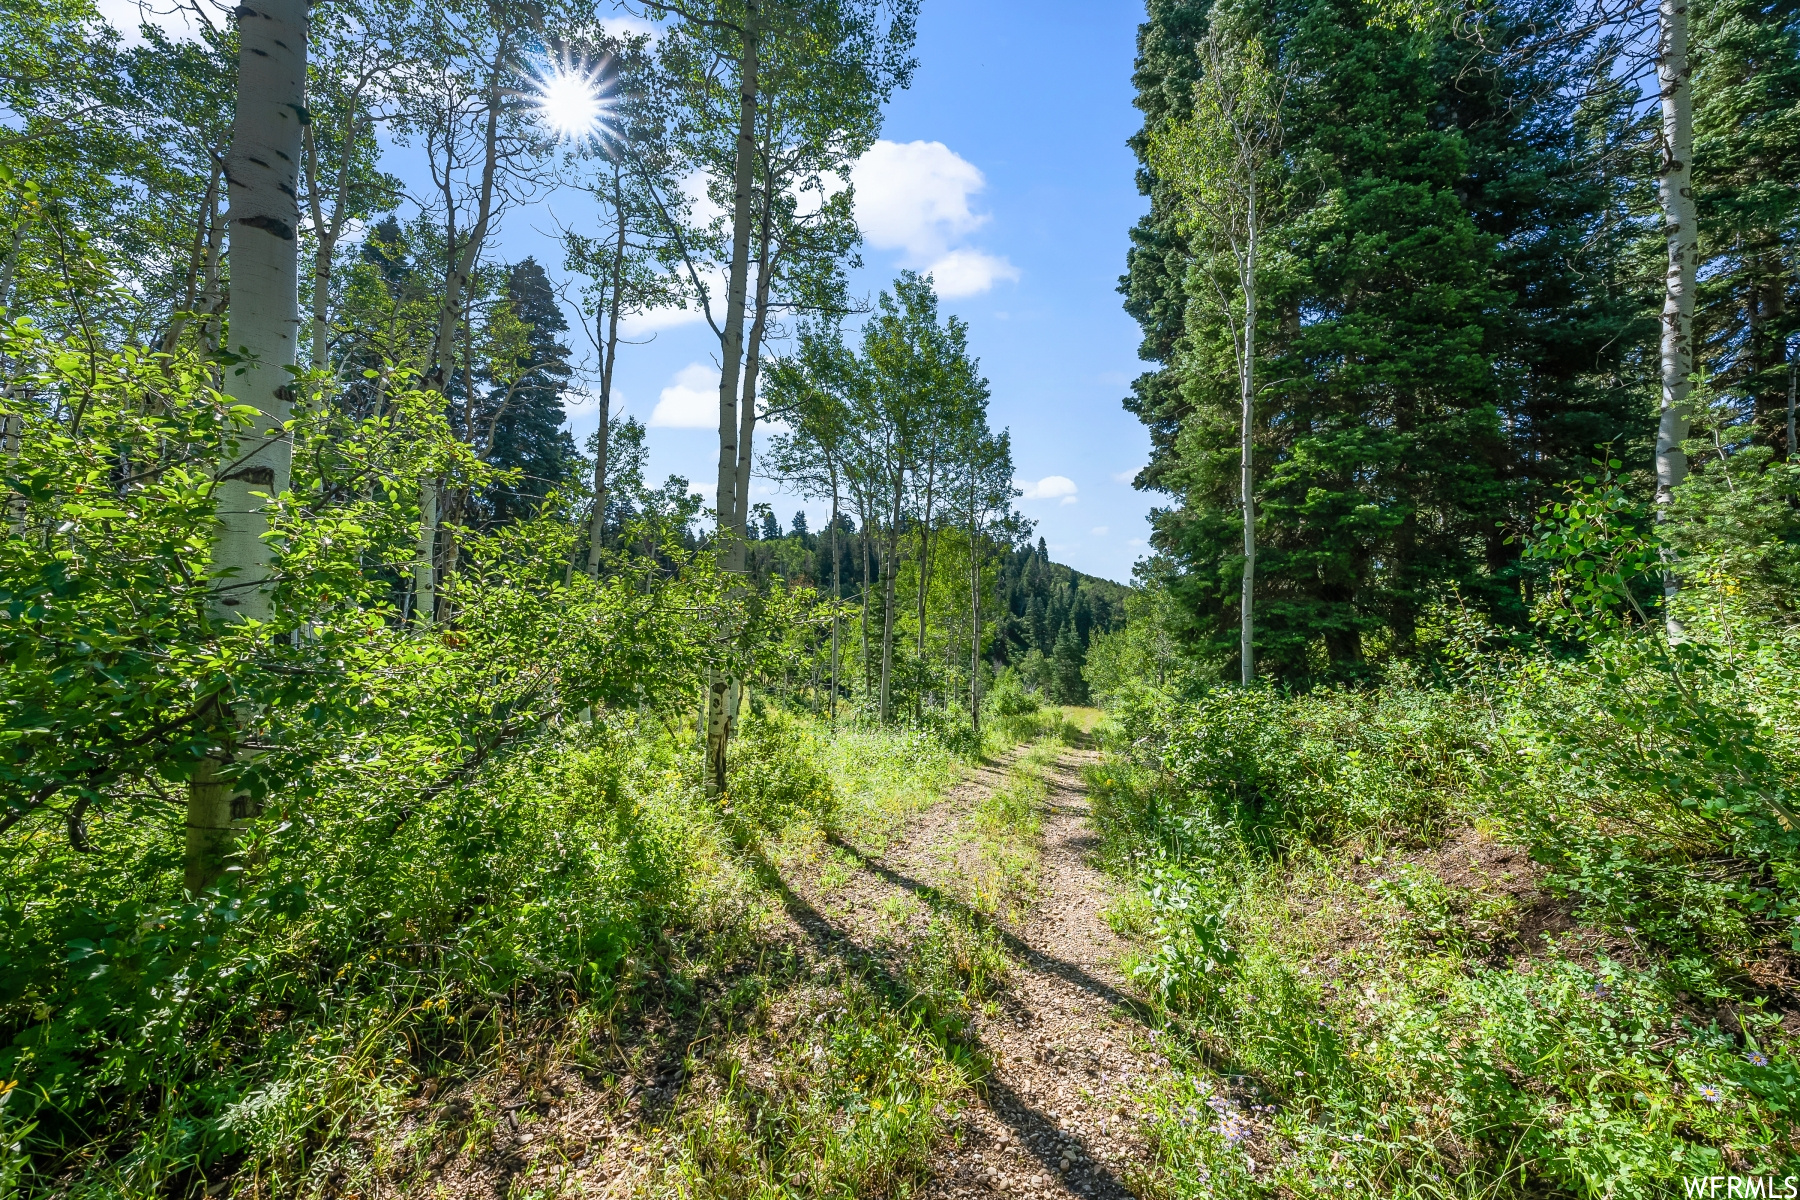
x=576 y=902
x=1458 y=941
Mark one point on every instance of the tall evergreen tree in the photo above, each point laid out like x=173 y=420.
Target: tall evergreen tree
x=1746 y=162
x=527 y=411
x=1426 y=380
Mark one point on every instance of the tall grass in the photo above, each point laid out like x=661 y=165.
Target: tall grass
x=281 y=1033
x=1531 y=932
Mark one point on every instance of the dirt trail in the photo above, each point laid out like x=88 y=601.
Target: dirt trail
x=1056 y=1117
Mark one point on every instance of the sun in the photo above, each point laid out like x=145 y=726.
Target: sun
x=571 y=101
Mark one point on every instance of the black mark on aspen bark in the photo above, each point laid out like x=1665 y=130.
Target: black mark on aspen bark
x=274 y=225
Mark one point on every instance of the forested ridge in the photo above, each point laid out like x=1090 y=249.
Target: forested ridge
x=400 y=796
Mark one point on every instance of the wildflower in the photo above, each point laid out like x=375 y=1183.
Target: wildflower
x=1710 y=1093
x=1757 y=1058
x=1235 y=1127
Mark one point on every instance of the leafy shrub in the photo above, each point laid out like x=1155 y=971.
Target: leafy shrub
x=1376 y=1028
x=951 y=728
x=1009 y=698
x=778 y=775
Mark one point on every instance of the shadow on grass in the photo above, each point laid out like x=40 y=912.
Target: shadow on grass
x=1036 y=1128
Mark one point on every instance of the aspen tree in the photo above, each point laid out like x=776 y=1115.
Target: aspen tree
x=830 y=65
x=1675 y=195
x=264 y=216
x=1221 y=160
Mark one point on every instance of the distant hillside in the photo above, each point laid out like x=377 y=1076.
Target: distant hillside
x=1043 y=614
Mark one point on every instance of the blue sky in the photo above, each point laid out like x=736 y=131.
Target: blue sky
x=1004 y=167
x=1005 y=164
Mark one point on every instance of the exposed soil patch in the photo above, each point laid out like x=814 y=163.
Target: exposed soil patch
x=1058 y=1116
x=1055 y=1116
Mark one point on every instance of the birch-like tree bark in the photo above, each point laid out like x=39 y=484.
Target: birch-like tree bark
x=609 y=354
x=722 y=692
x=1219 y=161
x=1675 y=194
x=260 y=172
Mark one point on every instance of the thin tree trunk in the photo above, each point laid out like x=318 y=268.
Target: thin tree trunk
x=887 y=606
x=326 y=232
x=1248 y=373
x=450 y=312
x=925 y=573
x=212 y=299
x=1792 y=373
x=752 y=372
x=12 y=433
x=265 y=323
x=209 y=207
x=837 y=595
x=1675 y=191
x=610 y=352
x=424 y=571
x=974 y=627
x=722 y=693
x=864 y=535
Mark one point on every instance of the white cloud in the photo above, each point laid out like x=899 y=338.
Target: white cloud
x=914 y=197
x=691 y=401
x=1137 y=543
x=621 y=27
x=969 y=272
x=1101 y=531
x=638 y=324
x=1127 y=476
x=1050 y=487
x=701 y=206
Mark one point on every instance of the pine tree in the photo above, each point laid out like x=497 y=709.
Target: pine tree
x=528 y=431
x=1427 y=380
x=1746 y=159
x=1067 y=686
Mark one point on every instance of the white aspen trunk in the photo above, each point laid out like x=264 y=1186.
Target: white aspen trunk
x=891 y=551
x=610 y=351
x=261 y=173
x=759 y=325
x=974 y=628
x=424 y=571
x=1675 y=191
x=752 y=371
x=837 y=594
x=10 y=267
x=1248 y=380
x=731 y=508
